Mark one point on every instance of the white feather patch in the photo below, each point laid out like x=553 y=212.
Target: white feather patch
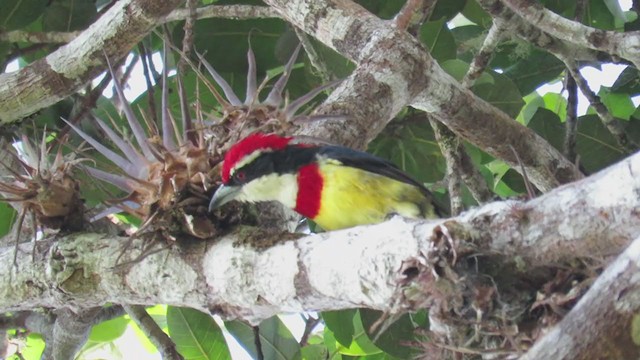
x=272 y=187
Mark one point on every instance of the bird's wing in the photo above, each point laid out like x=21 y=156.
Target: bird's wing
x=370 y=163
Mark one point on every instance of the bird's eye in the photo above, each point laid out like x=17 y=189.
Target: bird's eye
x=240 y=175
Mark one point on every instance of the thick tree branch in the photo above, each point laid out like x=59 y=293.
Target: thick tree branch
x=60 y=74
x=254 y=274
x=604 y=322
x=53 y=37
x=387 y=84
x=625 y=45
x=514 y=24
x=238 y=12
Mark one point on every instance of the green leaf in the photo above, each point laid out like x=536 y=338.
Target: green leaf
x=276 y=340
x=33 y=349
x=15 y=14
x=109 y=330
x=474 y=12
x=395 y=338
x=7 y=217
x=340 y=322
x=438 y=39
x=224 y=43
x=502 y=94
x=618 y=104
x=69 y=15
x=628 y=81
x=385 y=9
x=196 y=334
x=447 y=10
x=596 y=146
x=315 y=351
x=557 y=104
x=412 y=147
x=547 y=124
x=536 y=69
x=598 y=15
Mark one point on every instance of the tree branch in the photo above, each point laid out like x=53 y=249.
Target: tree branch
x=625 y=45
x=514 y=24
x=612 y=124
x=63 y=72
x=388 y=86
x=158 y=338
x=254 y=274
x=611 y=305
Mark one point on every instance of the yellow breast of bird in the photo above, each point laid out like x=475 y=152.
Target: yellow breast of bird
x=352 y=196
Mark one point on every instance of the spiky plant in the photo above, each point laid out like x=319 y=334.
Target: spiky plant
x=273 y=114
x=42 y=187
x=168 y=173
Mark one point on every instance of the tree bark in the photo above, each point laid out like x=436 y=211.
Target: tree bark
x=253 y=274
x=63 y=72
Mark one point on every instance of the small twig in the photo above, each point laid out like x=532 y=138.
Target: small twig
x=450 y=147
x=310 y=323
x=52 y=37
x=109 y=313
x=613 y=125
x=162 y=341
x=571 y=124
x=238 y=12
x=146 y=59
x=405 y=15
x=187 y=40
x=258 y=343
x=482 y=58
x=530 y=192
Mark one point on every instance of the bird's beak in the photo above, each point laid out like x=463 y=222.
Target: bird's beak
x=223 y=195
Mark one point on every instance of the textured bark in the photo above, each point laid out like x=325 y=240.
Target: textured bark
x=395 y=71
x=604 y=323
x=625 y=45
x=253 y=274
x=63 y=72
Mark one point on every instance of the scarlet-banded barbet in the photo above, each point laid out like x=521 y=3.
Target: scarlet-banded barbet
x=335 y=186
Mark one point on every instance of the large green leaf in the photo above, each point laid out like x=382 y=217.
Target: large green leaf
x=598 y=15
x=594 y=143
x=340 y=322
x=395 y=339
x=618 y=104
x=15 y=14
x=7 y=217
x=69 y=15
x=474 y=12
x=597 y=147
x=411 y=145
x=224 y=43
x=537 y=68
x=447 y=9
x=502 y=94
x=109 y=330
x=276 y=340
x=547 y=124
x=438 y=39
x=628 y=81
x=33 y=349
x=361 y=345
x=385 y=9
x=196 y=334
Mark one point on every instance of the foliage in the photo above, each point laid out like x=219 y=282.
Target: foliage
x=510 y=83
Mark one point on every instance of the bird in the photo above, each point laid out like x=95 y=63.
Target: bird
x=336 y=187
